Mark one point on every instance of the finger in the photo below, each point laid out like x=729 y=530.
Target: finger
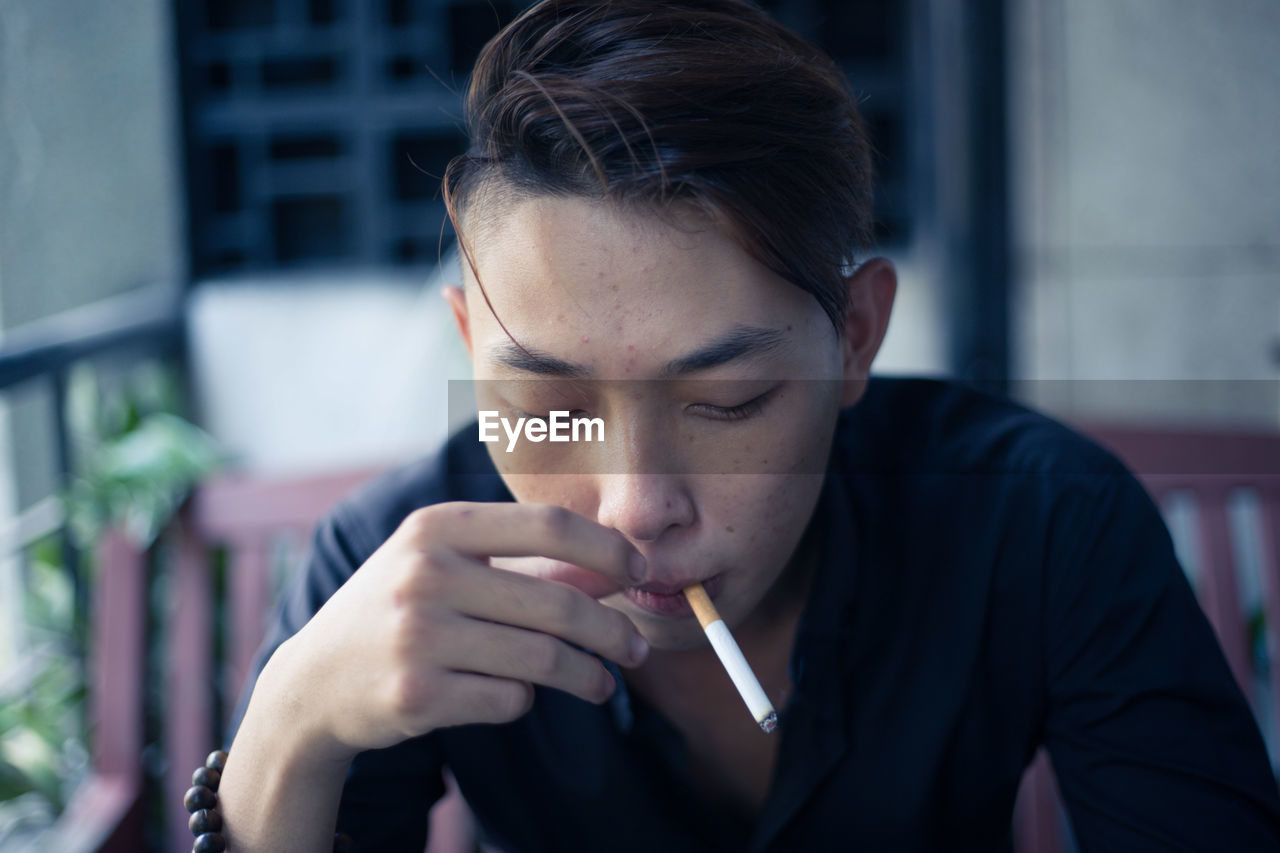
x=592 y=584
x=484 y=699
x=486 y=648
x=560 y=610
x=486 y=530
x=471 y=589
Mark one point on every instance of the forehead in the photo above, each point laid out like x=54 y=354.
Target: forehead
x=620 y=294
x=586 y=253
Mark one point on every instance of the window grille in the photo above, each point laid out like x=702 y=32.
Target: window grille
x=317 y=130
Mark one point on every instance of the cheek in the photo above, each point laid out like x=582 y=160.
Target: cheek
x=793 y=439
x=760 y=516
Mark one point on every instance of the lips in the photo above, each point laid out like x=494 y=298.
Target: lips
x=666 y=599
x=665 y=588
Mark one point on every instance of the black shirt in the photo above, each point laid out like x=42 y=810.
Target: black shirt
x=988 y=582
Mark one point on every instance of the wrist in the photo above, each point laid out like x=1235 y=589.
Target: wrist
x=211 y=833
x=283 y=777
x=290 y=708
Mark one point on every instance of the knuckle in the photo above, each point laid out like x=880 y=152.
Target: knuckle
x=513 y=700
x=432 y=520
x=555 y=520
x=410 y=695
x=419 y=578
x=432 y=575
x=544 y=656
x=621 y=630
x=408 y=638
x=605 y=683
x=421 y=523
x=562 y=604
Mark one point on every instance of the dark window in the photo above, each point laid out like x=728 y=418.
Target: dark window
x=312 y=228
x=306 y=72
x=406 y=69
x=217 y=77
x=418 y=160
x=411 y=250
x=222 y=15
x=309 y=119
x=316 y=146
x=224 y=177
x=404 y=13
x=322 y=12
x=470 y=26
x=860 y=32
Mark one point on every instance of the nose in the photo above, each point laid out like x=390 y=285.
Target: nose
x=643 y=491
x=644 y=506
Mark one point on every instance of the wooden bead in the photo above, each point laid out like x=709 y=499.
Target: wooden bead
x=206 y=776
x=199 y=797
x=210 y=842
x=205 y=820
x=206 y=823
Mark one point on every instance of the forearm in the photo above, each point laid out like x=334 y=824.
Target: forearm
x=280 y=789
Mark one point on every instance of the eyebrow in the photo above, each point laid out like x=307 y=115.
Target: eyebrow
x=739 y=342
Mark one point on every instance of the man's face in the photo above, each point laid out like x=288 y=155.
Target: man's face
x=717 y=381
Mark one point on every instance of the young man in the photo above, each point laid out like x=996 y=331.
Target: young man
x=664 y=212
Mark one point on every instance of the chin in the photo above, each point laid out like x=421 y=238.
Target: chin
x=673 y=638
x=662 y=633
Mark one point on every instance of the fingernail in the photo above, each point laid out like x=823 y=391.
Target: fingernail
x=636 y=566
x=639 y=648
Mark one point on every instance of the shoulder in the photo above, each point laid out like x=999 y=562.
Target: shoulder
x=459 y=471
x=929 y=426
x=983 y=473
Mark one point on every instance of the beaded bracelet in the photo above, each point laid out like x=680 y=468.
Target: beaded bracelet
x=206 y=821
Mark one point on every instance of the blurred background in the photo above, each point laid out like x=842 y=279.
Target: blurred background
x=219 y=234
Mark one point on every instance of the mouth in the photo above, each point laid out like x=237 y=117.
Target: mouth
x=667 y=599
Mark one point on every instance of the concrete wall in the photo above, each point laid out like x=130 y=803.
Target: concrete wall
x=90 y=189
x=361 y=379
x=1146 y=217
x=91 y=202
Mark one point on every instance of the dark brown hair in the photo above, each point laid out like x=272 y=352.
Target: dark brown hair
x=646 y=103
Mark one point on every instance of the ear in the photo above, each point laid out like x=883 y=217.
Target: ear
x=457 y=300
x=872 y=288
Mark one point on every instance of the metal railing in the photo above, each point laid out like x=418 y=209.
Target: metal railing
x=123 y=330
x=142 y=322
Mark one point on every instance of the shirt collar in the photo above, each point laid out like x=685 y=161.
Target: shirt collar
x=823 y=632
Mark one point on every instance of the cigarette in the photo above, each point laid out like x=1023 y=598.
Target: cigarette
x=731 y=656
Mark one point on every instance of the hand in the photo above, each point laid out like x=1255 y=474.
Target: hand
x=427 y=633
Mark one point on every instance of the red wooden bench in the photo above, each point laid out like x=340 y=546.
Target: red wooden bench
x=246 y=517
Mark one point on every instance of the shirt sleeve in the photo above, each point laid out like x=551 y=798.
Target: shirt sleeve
x=389 y=792
x=1151 y=739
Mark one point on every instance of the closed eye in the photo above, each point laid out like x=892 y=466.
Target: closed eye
x=740 y=412
x=575 y=414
